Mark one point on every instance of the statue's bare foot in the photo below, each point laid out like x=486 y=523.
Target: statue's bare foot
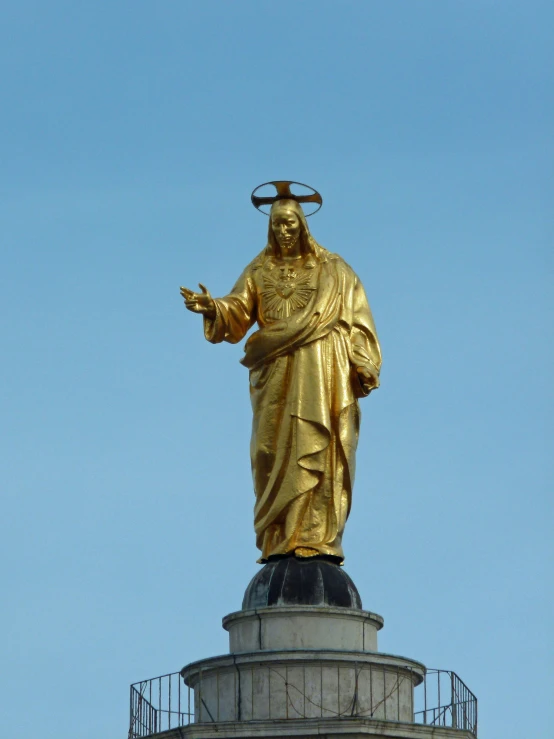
x=305 y=552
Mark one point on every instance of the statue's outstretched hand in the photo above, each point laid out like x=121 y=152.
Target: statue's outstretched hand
x=199 y=302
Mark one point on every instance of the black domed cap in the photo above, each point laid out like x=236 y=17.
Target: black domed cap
x=301 y=582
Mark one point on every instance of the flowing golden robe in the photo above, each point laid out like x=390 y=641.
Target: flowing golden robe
x=315 y=329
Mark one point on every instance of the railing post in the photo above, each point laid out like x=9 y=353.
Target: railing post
x=438 y=692
x=169 y=704
x=179 y=698
x=201 y=699
x=131 y=716
x=425 y=698
x=453 y=704
x=217 y=690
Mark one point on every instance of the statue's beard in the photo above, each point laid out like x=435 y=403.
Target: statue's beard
x=288 y=245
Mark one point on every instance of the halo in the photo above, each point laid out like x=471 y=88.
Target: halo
x=284 y=193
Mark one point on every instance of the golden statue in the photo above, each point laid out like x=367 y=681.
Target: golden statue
x=314 y=354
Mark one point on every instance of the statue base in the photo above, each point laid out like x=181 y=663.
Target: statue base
x=299 y=665
x=290 y=581
x=302 y=662
x=302 y=627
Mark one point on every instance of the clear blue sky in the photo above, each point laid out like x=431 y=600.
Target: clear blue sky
x=132 y=134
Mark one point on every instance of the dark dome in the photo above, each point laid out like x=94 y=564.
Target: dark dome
x=301 y=582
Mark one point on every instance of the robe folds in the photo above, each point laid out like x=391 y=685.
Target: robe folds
x=304 y=389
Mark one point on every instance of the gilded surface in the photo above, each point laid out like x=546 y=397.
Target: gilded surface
x=314 y=354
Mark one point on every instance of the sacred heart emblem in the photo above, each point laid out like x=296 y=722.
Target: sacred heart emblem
x=287 y=289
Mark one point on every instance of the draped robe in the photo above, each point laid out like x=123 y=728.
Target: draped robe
x=304 y=390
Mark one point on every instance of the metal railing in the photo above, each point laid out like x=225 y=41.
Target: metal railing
x=442 y=699
x=160 y=704
x=456 y=705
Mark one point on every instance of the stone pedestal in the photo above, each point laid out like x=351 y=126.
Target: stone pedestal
x=296 y=662
x=303 y=627
x=303 y=661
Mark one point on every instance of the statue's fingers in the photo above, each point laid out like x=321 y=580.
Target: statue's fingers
x=203 y=288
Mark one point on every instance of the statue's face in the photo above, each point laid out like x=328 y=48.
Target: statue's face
x=286 y=227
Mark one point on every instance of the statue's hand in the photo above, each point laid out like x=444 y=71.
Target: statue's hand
x=369 y=378
x=199 y=302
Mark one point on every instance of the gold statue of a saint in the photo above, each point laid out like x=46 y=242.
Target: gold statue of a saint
x=314 y=354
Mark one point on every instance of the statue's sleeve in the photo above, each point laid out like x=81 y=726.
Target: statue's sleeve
x=235 y=313
x=364 y=344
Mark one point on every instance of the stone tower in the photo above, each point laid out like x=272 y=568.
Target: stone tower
x=303 y=661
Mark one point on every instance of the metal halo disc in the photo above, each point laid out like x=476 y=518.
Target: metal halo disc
x=283 y=192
